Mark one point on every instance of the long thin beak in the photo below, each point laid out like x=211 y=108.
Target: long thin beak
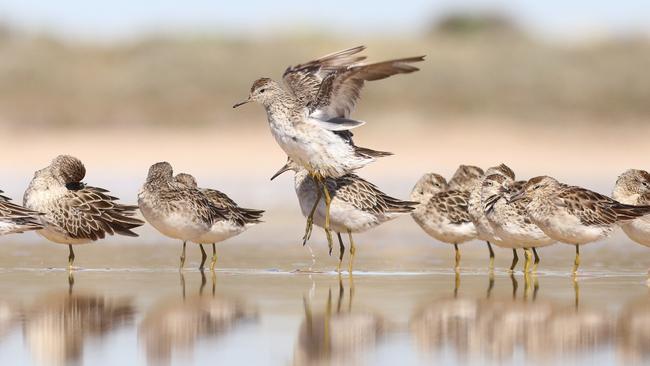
x=282 y=170
x=516 y=197
x=242 y=103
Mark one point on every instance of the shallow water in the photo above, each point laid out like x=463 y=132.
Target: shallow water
x=156 y=315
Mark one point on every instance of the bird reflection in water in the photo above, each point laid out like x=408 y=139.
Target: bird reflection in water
x=634 y=332
x=177 y=325
x=497 y=327
x=57 y=326
x=10 y=316
x=337 y=336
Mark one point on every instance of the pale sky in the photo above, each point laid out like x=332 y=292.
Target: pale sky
x=128 y=18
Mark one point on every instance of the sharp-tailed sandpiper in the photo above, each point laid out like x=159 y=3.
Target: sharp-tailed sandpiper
x=357 y=205
x=633 y=188
x=17 y=219
x=465 y=177
x=442 y=213
x=72 y=212
x=310 y=120
x=237 y=219
x=484 y=230
x=175 y=209
x=574 y=215
x=510 y=220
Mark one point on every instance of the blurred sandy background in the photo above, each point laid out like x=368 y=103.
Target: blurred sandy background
x=509 y=83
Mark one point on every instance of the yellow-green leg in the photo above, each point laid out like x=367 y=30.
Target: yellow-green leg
x=328 y=202
x=213 y=262
x=515 y=284
x=457 y=266
x=515 y=260
x=353 y=250
x=526 y=285
x=341 y=252
x=327 y=322
x=527 y=259
x=204 y=256
x=339 y=301
x=183 y=256
x=70 y=257
x=204 y=280
x=576 y=262
x=536 y=260
x=310 y=219
x=491 y=266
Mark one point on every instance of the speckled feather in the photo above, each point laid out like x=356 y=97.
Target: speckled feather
x=233 y=212
x=89 y=213
x=17 y=218
x=365 y=196
x=596 y=209
x=451 y=204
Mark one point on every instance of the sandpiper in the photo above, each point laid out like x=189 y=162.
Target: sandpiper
x=510 y=220
x=237 y=219
x=17 y=219
x=465 y=178
x=357 y=205
x=310 y=119
x=574 y=215
x=72 y=212
x=633 y=188
x=484 y=230
x=175 y=209
x=442 y=212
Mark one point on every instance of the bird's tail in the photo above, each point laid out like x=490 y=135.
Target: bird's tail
x=629 y=212
x=370 y=153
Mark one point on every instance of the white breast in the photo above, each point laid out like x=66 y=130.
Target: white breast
x=568 y=229
x=442 y=229
x=174 y=224
x=638 y=230
x=220 y=231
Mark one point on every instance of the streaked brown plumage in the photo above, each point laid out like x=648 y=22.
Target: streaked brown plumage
x=74 y=213
x=574 y=215
x=633 y=188
x=465 y=177
x=443 y=213
x=17 y=219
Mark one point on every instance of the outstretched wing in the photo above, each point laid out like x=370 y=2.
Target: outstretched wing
x=304 y=80
x=90 y=213
x=233 y=212
x=340 y=90
x=17 y=219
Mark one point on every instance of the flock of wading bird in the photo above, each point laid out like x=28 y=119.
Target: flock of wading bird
x=310 y=119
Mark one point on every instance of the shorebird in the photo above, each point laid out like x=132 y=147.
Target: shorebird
x=442 y=213
x=237 y=219
x=485 y=231
x=72 y=212
x=574 y=215
x=357 y=205
x=510 y=220
x=633 y=188
x=310 y=119
x=17 y=219
x=175 y=209
x=465 y=177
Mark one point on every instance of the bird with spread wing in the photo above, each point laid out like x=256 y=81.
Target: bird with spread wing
x=310 y=116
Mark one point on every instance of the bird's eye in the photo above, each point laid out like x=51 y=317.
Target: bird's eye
x=262 y=90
